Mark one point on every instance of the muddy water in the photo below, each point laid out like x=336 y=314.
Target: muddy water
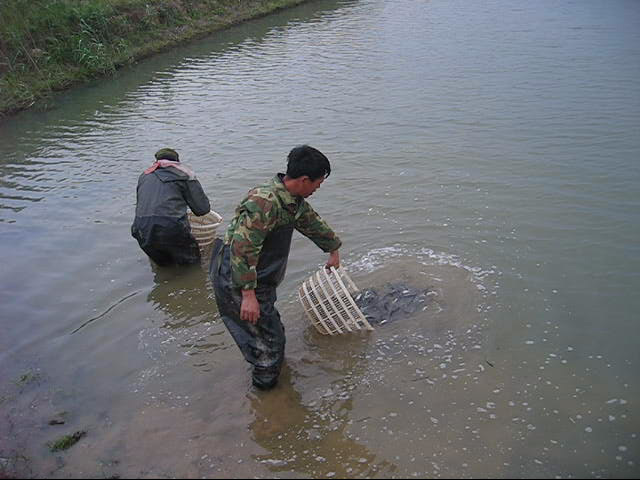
x=487 y=152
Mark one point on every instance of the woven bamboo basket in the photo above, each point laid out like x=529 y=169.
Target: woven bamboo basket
x=326 y=297
x=204 y=228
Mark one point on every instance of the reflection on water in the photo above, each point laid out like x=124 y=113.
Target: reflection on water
x=308 y=440
x=183 y=293
x=191 y=323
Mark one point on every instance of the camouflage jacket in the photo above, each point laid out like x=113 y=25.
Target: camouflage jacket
x=264 y=209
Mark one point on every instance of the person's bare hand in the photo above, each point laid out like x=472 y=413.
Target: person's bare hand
x=334 y=259
x=250 y=308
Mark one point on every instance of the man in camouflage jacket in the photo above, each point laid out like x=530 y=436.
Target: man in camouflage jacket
x=248 y=266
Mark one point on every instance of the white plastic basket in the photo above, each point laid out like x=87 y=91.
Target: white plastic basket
x=326 y=297
x=204 y=228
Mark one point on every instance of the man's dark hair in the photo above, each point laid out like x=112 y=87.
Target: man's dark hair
x=167 y=154
x=306 y=160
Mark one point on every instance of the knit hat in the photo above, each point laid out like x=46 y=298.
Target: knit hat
x=167 y=154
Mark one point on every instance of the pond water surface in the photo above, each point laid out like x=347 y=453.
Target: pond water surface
x=487 y=151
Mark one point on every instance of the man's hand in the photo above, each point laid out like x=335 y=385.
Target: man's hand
x=250 y=308
x=334 y=259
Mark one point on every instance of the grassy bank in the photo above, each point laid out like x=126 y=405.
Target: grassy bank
x=50 y=45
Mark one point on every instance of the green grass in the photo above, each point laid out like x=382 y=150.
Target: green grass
x=50 y=45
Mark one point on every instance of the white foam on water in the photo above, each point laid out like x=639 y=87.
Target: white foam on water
x=375 y=259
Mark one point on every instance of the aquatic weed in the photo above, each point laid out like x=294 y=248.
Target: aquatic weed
x=67 y=441
x=27 y=378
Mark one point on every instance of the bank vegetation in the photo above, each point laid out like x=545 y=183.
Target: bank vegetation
x=50 y=45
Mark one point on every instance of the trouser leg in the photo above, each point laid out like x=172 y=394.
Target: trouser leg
x=167 y=243
x=263 y=344
x=186 y=252
x=161 y=257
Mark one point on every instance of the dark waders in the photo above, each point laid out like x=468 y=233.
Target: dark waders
x=166 y=240
x=262 y=344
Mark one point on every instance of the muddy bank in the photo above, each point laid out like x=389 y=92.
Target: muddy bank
x=53 y=45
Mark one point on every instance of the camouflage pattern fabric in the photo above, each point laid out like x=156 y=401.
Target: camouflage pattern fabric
x=265 y=209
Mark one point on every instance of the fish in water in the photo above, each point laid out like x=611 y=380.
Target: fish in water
x=393 y=301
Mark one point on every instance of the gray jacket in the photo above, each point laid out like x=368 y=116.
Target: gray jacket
x=161 y=225
x=167 y=192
